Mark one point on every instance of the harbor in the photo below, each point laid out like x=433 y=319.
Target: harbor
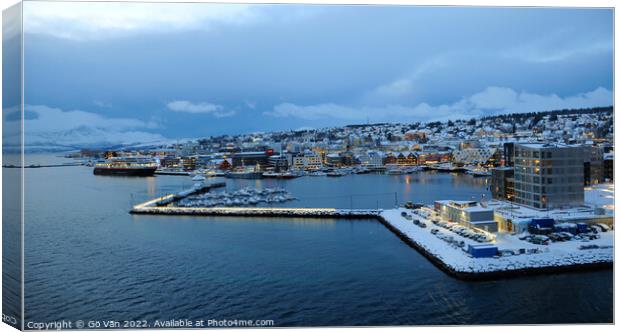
x=337 y=261
x=294 y=165
x=468 y=255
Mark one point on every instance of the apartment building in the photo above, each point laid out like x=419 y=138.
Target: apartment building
x=548 y=176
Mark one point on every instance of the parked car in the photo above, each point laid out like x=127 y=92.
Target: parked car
x=434 y=231
x=596 y=228
x=540 y=239
x=404 y=214
x=421 y=224
x=604 y=228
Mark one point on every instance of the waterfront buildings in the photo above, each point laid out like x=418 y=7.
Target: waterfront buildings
x=467 y=213
x=475 y=156
x=307 y=161
x=252 y=158
x=515 y=218
x=279 y=162
x=548 y=175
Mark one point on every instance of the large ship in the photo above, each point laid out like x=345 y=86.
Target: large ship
x=126 y=166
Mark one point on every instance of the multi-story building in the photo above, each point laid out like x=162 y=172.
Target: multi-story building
x=371 y=159
x=407 y=159
x=503 y=183
x=307 y=161
x=608 y=166
x=278 y=162
x=548 y=175
x=509 y=154
x=252 y=158
x=474 y=156
x=593 y=169
x=467 y=213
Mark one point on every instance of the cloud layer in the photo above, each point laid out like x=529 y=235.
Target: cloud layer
x=492 y=100
x=88 y=20
x=185 y=106
x=311 y=65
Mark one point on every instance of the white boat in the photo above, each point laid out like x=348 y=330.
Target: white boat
x=394 y=171
x=198 y=178
x=479 y=172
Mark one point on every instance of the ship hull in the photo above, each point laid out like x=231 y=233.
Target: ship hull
x=255 y=175
x=146 y=171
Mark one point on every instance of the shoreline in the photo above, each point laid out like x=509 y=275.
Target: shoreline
x=493 y=275
x=474 y=269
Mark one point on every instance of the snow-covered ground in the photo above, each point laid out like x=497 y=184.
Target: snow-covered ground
x=601 y=196
x=556 y=254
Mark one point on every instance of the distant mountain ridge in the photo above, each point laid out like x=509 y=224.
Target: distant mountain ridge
x=89 y=138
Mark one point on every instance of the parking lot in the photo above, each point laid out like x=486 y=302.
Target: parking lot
x=458 y=236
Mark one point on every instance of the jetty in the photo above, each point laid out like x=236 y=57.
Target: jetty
x=43 y=166
x=254 y=211
x=430 y=240
x=162 y=202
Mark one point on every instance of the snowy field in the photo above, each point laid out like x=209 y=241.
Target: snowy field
x=556 y=254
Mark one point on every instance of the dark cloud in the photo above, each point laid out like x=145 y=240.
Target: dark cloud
x=261 y=67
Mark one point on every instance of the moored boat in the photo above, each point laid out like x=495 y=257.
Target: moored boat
x=126 y=166
x=244 y=173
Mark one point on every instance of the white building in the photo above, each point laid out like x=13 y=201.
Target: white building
x=467 y=213
x=473 y=155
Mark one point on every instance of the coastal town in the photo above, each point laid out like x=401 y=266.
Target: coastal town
x=474 y=146
x=550 y=176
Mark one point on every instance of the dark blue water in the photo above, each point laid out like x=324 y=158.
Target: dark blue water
x=87 y=258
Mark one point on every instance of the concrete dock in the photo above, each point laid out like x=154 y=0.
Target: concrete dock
x=454 y=261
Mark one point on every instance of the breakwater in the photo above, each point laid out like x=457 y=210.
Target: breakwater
x=454 y=261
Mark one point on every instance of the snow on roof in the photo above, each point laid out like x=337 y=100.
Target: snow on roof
x=520 y=212
x=477 y=208
x=483 y=246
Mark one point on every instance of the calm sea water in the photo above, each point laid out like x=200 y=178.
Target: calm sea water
x=87 y=258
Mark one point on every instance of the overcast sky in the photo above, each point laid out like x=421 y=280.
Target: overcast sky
x=121 y=72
